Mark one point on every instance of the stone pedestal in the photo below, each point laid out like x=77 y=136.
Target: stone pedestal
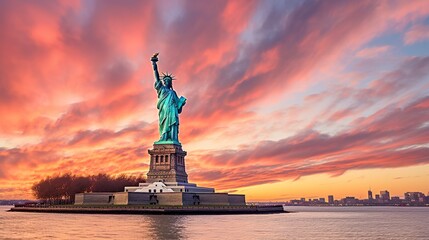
x=167 y=164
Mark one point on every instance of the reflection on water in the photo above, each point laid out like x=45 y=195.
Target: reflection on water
x=306 y=223
x=165 y=226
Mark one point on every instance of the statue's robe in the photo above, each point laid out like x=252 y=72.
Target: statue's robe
x=169 y=109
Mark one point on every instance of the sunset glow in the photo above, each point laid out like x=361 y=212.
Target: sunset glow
x=285 y=99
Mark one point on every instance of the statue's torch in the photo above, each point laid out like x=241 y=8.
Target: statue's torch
x=154 y=58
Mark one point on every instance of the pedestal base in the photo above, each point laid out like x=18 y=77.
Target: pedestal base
x=167 y=164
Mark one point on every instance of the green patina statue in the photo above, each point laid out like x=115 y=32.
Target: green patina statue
x=169 y=106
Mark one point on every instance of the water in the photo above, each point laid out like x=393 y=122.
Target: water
x=306 y=223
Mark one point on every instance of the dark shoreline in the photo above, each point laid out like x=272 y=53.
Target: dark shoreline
x=154 y=210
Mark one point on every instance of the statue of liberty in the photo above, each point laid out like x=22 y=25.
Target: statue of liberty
x=169 y=106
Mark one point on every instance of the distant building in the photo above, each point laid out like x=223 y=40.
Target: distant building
x=385 y=196
x=302 y=199
x=322 y=200
x=377 y=196
x=349 y=201
x=331 y=199
x=370 y=195
x=414 y=197
x=395 y=200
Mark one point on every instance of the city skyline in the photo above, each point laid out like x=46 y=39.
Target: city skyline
x=382 y=199
x=284 y=99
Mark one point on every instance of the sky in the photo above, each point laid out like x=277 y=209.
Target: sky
x=285 y=99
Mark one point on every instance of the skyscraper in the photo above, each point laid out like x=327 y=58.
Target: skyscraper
x=331 y=199
x=370 y=195
x=385 y=195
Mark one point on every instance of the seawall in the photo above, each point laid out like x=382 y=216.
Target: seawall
x=168 y=210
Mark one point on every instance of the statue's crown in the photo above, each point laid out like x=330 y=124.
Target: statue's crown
x=168 y=75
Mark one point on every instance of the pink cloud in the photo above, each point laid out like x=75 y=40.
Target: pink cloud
x=378 y=142
x=417 y=33
x=373 y=51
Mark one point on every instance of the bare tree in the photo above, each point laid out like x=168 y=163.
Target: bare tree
x=62 y=188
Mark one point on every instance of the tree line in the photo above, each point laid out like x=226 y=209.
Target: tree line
x=62 y=188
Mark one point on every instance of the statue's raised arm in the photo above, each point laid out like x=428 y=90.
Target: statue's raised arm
x=154 y=59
